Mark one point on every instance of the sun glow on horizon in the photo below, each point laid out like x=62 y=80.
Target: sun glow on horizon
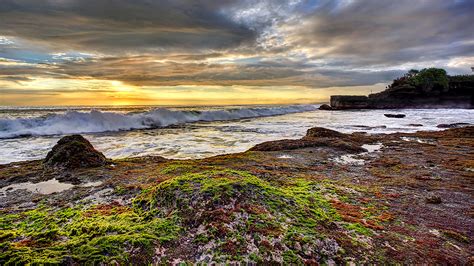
x=73 y=92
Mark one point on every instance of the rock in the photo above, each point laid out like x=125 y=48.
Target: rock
x=321 y=132
x=315 y=137
x=292 y=144
x=433 y=200
x=74 y=152
x=325 y=107
x=454 y=125
x=415 y=125
x=395 y=115
x=428 y=88
x=369 y=128
x=349 y=102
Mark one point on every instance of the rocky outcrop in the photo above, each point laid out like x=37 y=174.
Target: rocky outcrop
x=325 y=107
x=454 y=125
x=315 y=137
x=258 y=208
x=321 y=132
x=423 y=90
x=349 y=102
x=74 y=152
x=394 y=115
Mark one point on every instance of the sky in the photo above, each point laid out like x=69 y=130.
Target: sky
x=202 y=52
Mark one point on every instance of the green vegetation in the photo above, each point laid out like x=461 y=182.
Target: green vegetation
x=270 y=211
x=430 y=78
x=230 y=211
x=103 y=233
x=427 y=79
x=461 y=78
x=233 y=207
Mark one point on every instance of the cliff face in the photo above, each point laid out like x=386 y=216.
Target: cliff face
x=458 y=94
x=349 y=102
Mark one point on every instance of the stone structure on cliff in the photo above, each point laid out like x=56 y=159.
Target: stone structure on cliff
x=428 y=88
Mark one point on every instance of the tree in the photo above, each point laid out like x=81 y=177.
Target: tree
x=412 y=73
x=430 y=78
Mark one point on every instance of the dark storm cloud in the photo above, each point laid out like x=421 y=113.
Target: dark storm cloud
x=121 y=25
x=257 y=43
x=366 y=32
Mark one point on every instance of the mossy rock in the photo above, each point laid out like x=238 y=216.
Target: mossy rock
x=74 y=152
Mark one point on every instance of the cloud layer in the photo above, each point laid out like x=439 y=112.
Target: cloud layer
x=302 y=43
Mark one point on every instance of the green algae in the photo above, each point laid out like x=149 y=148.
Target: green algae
x=236 y=208
x=219 y=186
x=43 y=236
x=358 y=228
x=249 y=207
x=177 y=168
x=289 y=257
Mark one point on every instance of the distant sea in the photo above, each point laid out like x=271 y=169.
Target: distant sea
x=28 y=133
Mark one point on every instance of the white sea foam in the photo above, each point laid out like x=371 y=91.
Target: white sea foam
x=96 y=121
x=202 y=139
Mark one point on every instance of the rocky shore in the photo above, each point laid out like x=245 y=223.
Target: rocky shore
x=326 y=198
x=428 y=88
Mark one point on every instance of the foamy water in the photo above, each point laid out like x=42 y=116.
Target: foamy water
x=196 y=132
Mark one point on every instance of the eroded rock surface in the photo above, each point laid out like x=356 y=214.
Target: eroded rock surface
x=409 y=203
x=315 y=137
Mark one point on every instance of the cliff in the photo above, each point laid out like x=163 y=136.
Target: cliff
x=428 y=88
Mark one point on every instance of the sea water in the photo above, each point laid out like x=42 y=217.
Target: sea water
x=28 y=133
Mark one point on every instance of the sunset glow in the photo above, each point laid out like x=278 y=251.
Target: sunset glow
x=240 y=52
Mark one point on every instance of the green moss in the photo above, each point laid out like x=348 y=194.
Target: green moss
x=358 y=228
x=201 y=239
x=289 y=257
x=299 y=198
x=176 y=168
x=231 y=207
x=119 y=190
x=255 y=258
x=43 y=236
x=295 y=208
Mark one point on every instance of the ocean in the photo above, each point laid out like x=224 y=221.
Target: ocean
x=28 y=133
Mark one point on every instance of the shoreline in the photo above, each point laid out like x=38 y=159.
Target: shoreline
x=323 y=198
x=204 y=139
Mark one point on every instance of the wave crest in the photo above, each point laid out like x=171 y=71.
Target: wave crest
x=95 y=121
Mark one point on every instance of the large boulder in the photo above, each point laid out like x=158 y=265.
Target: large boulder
x=74 y=152
x=321 y=132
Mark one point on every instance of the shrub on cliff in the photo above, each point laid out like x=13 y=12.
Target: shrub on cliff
x=430 y=78
x=426 y=79
x=461 y=78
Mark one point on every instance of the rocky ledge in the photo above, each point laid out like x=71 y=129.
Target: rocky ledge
x=326 y=198
x=428 y=88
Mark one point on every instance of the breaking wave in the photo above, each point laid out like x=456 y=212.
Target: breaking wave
x=96 y=121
